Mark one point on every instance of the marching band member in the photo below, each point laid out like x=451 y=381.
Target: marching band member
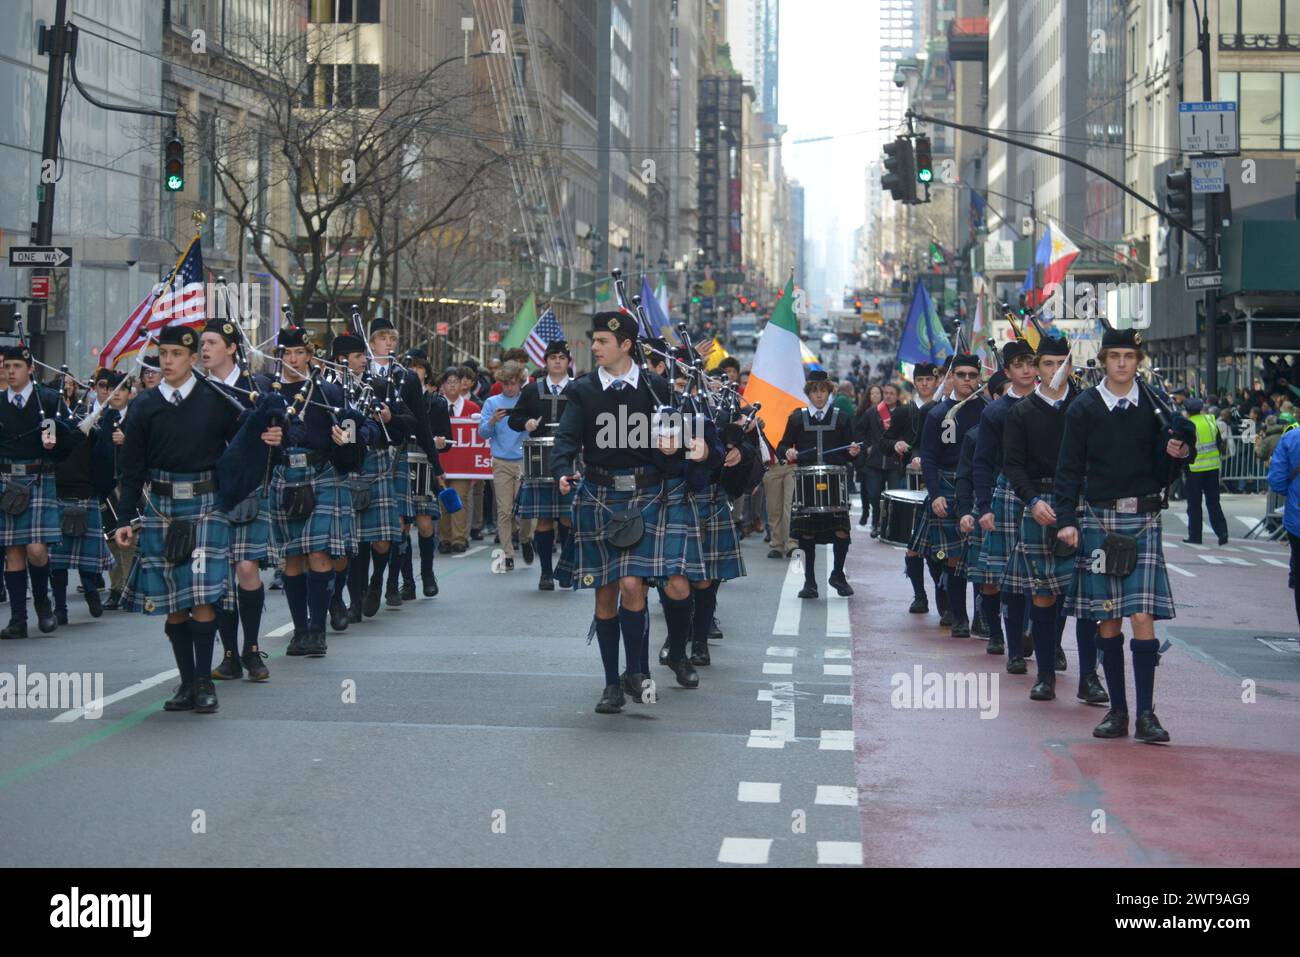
x=106 y=458
x=925 y=381
x=507 y=446
x=1119 y=457
x=453 y=527
x=425 y=510
x=150 y=374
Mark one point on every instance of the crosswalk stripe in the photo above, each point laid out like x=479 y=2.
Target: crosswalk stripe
x=789 y=608
x=1274 y=562
x=1247 y=520
x=1177 y=568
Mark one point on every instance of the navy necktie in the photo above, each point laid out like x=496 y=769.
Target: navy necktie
x=619 y=384
x=1123 y=404
x=18 y=401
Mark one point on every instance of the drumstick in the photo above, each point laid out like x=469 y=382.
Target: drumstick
x=828 y=451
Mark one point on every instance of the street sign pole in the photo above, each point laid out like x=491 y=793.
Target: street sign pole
x=1211 y=232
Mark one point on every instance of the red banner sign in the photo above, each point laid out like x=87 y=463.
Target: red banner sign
x=471 y=457
x=444 y=328
x=494 y=337
x=40 y=287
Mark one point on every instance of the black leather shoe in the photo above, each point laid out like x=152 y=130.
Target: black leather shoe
x=1091 y=691
x=1223 y=540
x=370 y=606
x=715 y=633
x=1061 y=663
x=296 y=649
x=408 y=591
x=1114 y=725
x=510 y=564
x=546 y=584
x=700 y=654
x=1044 y=689
x=808 y=591
x=565 y=582
x=1191 y=541
x=205 y=696
x=640 y=688
x=774 y=553
x=460 y=548
x=840 y=584
x=529 y=552
x=862 y=521
x=61 y=616
x=476 y=535
x=15 y=629
x=46 y=620
x=920 y=605
x=663 y=654
x=339 y=617
x=314 y=645
x=875 y=533
x=945 y=619
x=686 y=674
x=181 y=700
x=1017 y=666
x=611 y=701
x=997 y=645
x=254 y=664
x=1148 y=730
x=430 y=586
x=94 y=603
x=444 y=548
x=393 y=598
x=229 y=670
x=354 y=613
x=961 y=627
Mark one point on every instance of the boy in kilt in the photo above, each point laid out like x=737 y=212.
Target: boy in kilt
x=250 y=522
x=632 y=517
x=946 y=424
x=310 y=541
x=963 y=498
x=1119 y=456
x=29 y=507
x=538 y=412
x=819 y=434
x=178 y=431
x=1031 y=443
x=110 y=437
x=926 y=382
x=83 y=545
x=424 y=509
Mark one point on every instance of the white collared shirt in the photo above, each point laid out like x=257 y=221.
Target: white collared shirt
x=632 y=376
x=1038 y=390
x=822 y=412
x=26 y=394
x=233 y=377
x=1112 y=400
x=552 y=384
x=185 y=390
x=457 y=406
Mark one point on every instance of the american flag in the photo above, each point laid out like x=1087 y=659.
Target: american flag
x=179 y=302
x=545 y=331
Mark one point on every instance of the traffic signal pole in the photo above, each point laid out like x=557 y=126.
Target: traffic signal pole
x=1212 y=226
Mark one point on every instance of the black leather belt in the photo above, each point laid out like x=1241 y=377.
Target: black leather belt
x=304 y=460
x=1131 y=506
x=641 y=478
x=20 y=468
x=182 y=490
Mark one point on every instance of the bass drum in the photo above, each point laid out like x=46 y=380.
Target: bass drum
x=900 y=514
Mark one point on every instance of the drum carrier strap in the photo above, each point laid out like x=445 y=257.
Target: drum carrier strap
x=819 y=430
x=556 y=403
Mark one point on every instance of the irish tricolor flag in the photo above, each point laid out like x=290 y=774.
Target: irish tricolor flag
x=776 y=377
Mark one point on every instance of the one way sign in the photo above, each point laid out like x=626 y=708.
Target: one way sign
x=58 y=256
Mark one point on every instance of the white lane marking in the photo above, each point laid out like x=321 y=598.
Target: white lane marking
x=1182 y=571
x=759 y=792
x=1275 y=563
x=839 y=852
x=1169 y=545
x=98 y=705
x=470 y=551
x=836 y=653
x=1262 y=551
x=790 y=605
x=745 y=850
x=831 y=671
x=1225 y=560
x=1246 y=520
x=835 y=741
x=1196 y=545
x=781 y=699
x=777 y=668
x=1228 y=548
x=1183 y=515
x=837 y=699
x=281 y=631
x=837 y=795
x=765 y=739
x=837 y=616
x=776 y=652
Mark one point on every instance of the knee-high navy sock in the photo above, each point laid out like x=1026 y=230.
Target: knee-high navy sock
x=1112 y=665
x=394 y=566
x=203 y=635
x=678 y=613
x=1144 y=671
x=915 y=566
x=607 y=637
x=340 y=582
x=427 y=550
x=643 y=665
x=89 y=581
x=59 y=588
x=562 y=533
x=544 y=542
x=956 y=589
x=1042 y=622
x=16 y=585
x=706 y=603
x=809 y=561
x=251 y=601
x=380 y=562
x=183 y=649
x=1085 y=637
x=633 y=625
x=937 y=569
x=318 y=598
x=839 y=552
x=408 y=563
x=40 y=583
x=295 y=593
x=989 y=606
x=358 y=569
x=228 y=628
x=1014 y=624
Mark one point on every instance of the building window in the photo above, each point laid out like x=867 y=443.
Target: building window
x=520 y=70
x=518 y=11
x=330 y=85
x=343 y=11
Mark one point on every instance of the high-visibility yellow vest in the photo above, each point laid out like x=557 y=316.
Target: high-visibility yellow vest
x=1207 y=444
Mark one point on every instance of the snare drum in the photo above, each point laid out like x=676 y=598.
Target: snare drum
x=537 y=458
x=900 y=514
x=821 y=488
x=421 y=475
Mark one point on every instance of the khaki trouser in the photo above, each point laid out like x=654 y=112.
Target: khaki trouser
x=125 y=558
x=507 y=477
x=454 y=528
x=778 y=487
x=476 y=503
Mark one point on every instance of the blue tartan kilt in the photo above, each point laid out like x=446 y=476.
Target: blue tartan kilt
x=540 y=499
x=40 y=522
x=670 y=545
x=944 y=539
x=329 y=527
x=997 y=545
x=719 y=545
x=251 y=541
x=382 y=521
x=402 y=484
x=1034 y=568
x=417 y=505
x=968 y=561
x=85 y=553
x=1145 y=590
x=157 y=587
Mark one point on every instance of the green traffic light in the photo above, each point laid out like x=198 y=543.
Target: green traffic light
x=924 y=175
x=175 y=184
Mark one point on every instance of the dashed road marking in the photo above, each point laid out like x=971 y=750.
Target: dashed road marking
x=836 y=795
x=776 y=652
x=745 y=850
x=837 y=699
x=759 y=792
x=286 y=629
x=1275 y=563
x=1177 y=568
x=836 y=653
x=789 y=608
x=839 y=852
x=835 y=741
x=777 y=668
x=835 y=671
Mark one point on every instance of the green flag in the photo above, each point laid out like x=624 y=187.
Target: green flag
x=783 y=315
x=604 y=291
x=525 y=319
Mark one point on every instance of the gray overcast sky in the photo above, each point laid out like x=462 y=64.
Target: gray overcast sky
x=828 y=74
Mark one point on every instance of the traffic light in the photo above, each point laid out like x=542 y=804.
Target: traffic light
x=857 y=306
x=900 y=171
x=875 y=302
x=924 y=163
x=695 y=294
x=174 y=165
x=1178 y=187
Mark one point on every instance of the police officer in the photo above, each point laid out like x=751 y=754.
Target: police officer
x=1203 y=475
